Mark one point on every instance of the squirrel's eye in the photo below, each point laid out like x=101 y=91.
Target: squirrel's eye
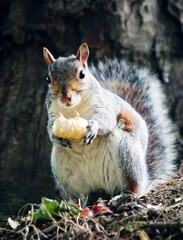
x=48 y=79
x=81 y=74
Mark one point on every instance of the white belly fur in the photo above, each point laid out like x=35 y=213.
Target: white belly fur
x=87 y=168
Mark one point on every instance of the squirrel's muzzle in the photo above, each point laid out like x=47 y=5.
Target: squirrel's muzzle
x=66 y=98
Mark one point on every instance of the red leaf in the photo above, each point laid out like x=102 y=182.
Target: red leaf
x=79 y=206
x=87 y=212
x=98 y=209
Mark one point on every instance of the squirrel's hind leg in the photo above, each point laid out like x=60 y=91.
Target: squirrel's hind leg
x=133 y=165
x=132 y=152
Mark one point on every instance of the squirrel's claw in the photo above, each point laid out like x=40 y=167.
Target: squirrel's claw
x=60 y=142
x=92 y=132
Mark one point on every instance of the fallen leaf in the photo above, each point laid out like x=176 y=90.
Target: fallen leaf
x=14 y=224
x=50 y=209
x=178 y=199
x=154 y=207
x=87 y=212
x=125 y=214
x=143 y=235
x=98 y=209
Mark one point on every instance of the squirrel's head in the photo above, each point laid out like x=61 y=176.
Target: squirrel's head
x=68 y=76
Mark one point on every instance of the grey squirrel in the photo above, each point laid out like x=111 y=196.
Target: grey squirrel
x=130 y=143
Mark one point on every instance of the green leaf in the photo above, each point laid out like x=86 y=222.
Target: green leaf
x=74 y=209
x=41 y=215
x=50 y=209
x=63 y=206
x=49 y=203
x=67 y=207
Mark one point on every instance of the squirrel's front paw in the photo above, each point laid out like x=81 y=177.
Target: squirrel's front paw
x=92 y=132
x=60 y=142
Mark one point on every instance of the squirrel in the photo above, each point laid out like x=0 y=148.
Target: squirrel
x=130 y=142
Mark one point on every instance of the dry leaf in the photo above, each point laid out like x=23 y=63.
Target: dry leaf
x=12 y=223
x=154 y=207
x=178 y=199
x=143 y=235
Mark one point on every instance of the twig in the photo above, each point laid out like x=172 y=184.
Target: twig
x=165 y=225
x=173 y=206
x=5 y=229
x=94 y=221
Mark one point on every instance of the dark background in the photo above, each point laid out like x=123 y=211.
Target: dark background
x=147 y=32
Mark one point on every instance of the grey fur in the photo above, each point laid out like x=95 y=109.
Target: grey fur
x=64 y=69
x=154 y=100
x=115 y=156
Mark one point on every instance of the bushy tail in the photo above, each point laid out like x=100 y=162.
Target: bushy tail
x=144 y=92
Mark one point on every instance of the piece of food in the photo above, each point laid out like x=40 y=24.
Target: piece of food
x=72 y=129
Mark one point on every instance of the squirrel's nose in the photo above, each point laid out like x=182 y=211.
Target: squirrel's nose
x=66 y=98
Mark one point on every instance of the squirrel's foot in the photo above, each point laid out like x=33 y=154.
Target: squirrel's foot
x=60 y=142
x=122 y=124
x=92 y=132
x=124 y=200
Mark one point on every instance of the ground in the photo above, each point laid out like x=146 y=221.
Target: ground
x=157 y=215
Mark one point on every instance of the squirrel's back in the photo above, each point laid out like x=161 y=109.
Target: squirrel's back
x=144 y=92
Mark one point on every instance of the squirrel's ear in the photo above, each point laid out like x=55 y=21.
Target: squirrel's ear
x=83 y=54
x=48 y=56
